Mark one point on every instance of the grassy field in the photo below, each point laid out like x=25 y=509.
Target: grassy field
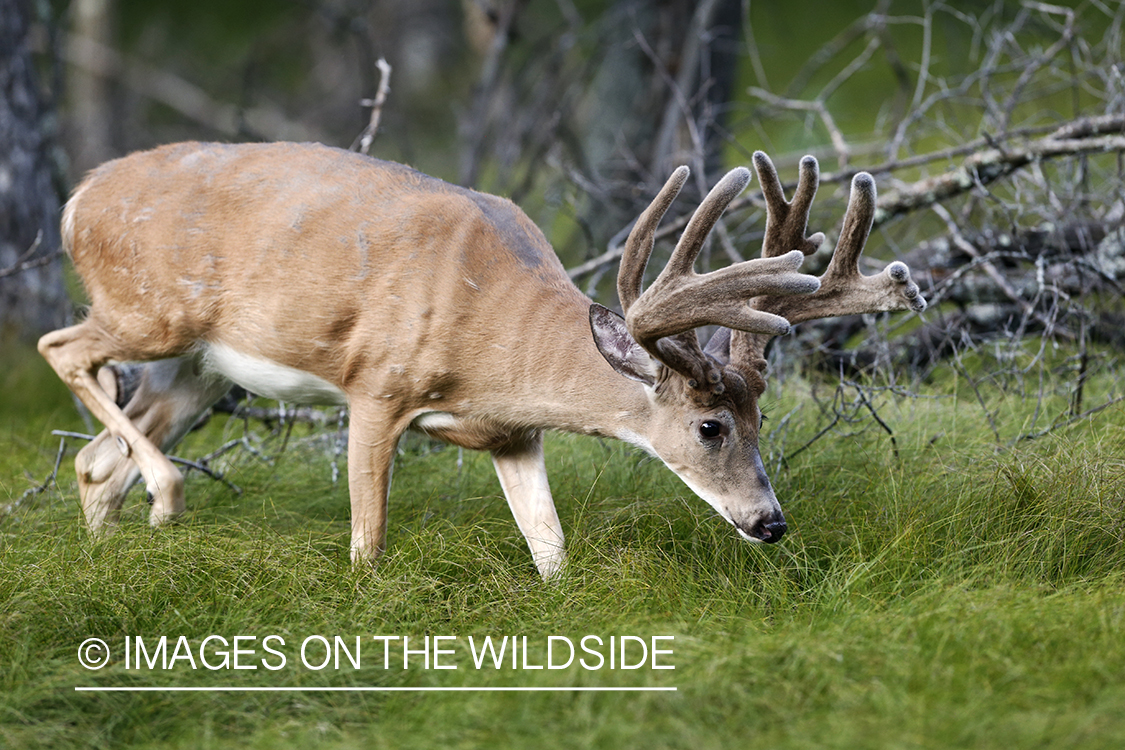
x=968 y=592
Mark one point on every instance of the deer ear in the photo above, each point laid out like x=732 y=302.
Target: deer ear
x=619 y=348
x=718 y=348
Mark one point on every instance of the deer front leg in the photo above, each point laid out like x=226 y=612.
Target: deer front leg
x=523 y=476
x=373 y=434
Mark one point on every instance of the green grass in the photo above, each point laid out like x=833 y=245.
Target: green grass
x=962 y=594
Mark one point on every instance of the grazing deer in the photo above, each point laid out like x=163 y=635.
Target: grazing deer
x=310 y=274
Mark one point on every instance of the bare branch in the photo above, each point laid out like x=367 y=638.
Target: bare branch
x=816 y=106
x=363 y=142
x=199 y=466
x=23 y=264
x=28 y=265
x=989 y=268
x=988 y=166
x=985 y=164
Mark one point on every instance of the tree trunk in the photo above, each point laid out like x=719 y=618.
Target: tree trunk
x=31 y=301
x=89 y=138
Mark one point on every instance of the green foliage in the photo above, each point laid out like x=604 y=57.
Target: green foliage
x=956 y=594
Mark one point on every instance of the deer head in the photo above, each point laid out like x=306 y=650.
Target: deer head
x=705 y=419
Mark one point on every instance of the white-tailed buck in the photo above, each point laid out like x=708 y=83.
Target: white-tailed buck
x=311 y=274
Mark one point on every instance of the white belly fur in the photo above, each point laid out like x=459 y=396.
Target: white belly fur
x=435 y=420
x=270 y=379
x=293 y=386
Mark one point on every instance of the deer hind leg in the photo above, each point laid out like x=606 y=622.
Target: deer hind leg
x=170 y=396
x=76 y=353
x=523 y=476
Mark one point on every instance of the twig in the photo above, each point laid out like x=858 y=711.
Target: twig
x=959 y=368
x=68 y=433
x=816 y=106
x=52 y=478
x=866 y=402
x=1067 y=422
x=29 y=265
x=217 y=476
x=817 y=436
x=993 y=273
x=1037 y=61
x=24 y=264
x=363 y=142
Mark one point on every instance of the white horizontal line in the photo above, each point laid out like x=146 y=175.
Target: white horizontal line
x=224 y=689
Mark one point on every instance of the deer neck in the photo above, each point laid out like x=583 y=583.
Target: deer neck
x=567 y=385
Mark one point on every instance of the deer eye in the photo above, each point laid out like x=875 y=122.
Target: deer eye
x=711 y=429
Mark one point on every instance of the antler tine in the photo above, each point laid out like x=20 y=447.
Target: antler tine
x=858 y=220
x=638 y=247
x=703 y=221
x=787 y=221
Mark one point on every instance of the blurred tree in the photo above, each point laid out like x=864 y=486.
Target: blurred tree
x=90 y=133
x=32 y=298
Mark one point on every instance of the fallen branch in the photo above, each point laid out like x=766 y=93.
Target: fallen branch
x=986 y=167
x=1067 y=422
x=217 y=476
x=1087 y=135
x=198 y=466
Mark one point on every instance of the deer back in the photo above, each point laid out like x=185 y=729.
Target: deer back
x=315 y=259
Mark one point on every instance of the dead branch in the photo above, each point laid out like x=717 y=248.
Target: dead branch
x=199 y=466
x=987 y=166
x=984 y=165
x=26 y=263
x=38 y=489
x=29 y=265
x=1064 y=423
x=363 y=142
x=816 y=106
x=989 y=268
x=217 y=476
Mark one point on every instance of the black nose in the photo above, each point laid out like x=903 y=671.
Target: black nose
x=769 y=531
x=774 y=531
